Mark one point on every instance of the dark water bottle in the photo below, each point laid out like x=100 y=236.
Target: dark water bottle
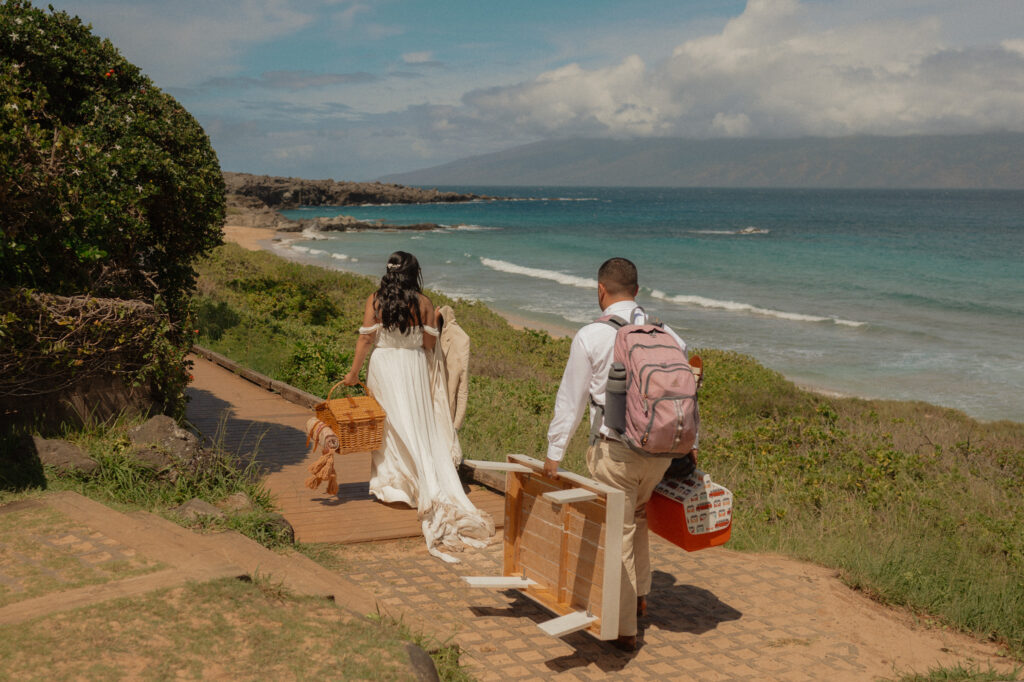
x=615 y=398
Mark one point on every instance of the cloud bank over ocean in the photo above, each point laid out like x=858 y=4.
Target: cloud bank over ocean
x=359 y=89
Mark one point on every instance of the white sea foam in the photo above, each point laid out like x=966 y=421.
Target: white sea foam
x=744 y=231
x=560 y=277
x=300 y=249
x=339 y=256
x=737 y=307
x=313 y=235
x=464 y=294
x=317 y=252
x=472 y=228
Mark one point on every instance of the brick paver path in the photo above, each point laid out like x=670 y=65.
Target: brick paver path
x=713 y=615
x=244 y=417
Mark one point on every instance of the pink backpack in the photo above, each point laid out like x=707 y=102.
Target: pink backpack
x=660 y=418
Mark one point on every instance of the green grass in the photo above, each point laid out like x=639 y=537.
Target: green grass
x=916 y=505
x=123 y=483
x=227 y=629
x=961 y=674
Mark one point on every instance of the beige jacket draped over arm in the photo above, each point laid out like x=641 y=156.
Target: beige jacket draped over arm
x=454 y=343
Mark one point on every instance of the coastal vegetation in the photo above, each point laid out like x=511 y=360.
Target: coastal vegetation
x=109 y=190
x=916 y=505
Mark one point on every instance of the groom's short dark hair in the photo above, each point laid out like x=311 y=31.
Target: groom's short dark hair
x=618 y=276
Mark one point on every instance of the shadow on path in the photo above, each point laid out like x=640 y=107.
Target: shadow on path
x=672 y=607
x=685 y=608
x=275 y=445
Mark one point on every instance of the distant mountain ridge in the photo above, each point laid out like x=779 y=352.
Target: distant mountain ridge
x=982 y=161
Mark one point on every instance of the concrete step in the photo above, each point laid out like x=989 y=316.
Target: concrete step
x=211 y=555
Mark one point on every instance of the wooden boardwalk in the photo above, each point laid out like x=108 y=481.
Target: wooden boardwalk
x=244 y=417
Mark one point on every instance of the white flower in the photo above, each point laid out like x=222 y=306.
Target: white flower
x=138 y=188
x=127 y=119
x=113 y=173
x=76 y=171
x=14 y=36
x=117 y=146
x=18 y=21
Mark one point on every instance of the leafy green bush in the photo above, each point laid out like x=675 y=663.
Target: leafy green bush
x=107 y=185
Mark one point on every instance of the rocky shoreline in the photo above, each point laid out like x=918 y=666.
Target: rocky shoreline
x=283 y=193
x=254 y=201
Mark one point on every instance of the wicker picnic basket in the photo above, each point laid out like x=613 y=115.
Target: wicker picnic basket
x=357 y=421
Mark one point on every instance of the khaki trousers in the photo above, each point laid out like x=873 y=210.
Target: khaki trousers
x=615 y=465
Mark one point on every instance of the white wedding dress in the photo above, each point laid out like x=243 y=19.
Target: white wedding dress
x=417 y=463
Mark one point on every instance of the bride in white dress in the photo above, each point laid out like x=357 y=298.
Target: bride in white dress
x=416 y=464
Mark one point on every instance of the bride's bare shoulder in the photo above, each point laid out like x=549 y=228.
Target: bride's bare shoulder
x=426 y=309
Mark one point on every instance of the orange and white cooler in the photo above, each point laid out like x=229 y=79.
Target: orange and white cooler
x=693 y=512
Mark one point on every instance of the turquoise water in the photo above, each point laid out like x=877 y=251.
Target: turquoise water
x=911 y=295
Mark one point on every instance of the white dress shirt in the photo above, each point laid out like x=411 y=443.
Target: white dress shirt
x=586 y=373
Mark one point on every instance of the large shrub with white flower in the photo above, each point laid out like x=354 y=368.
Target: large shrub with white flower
x=108 y=187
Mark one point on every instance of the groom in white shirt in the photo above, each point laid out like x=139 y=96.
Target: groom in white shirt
x=610 y=461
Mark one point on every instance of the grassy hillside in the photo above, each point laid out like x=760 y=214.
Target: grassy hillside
x=917 y=505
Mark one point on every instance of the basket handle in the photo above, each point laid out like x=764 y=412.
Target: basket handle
x=351 y=402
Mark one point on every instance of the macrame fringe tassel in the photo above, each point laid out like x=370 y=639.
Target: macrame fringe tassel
x=323 y=470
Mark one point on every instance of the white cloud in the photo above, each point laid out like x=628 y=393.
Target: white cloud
x=1014 y=46
x=731 y=125
x=780 y=68
x=417 y=57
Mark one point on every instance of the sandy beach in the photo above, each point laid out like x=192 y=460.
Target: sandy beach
x=250 y=238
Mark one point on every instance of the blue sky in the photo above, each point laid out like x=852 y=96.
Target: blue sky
x=354 y=89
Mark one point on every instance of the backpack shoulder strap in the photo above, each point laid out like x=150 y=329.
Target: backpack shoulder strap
x=613 y=321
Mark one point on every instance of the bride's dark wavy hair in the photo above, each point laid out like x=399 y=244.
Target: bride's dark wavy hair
x=398 y=303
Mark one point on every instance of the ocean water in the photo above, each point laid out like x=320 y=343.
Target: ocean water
x=909 y=295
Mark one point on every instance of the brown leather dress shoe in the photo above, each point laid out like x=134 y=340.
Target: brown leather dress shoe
x=625 y=642
x=641 y=607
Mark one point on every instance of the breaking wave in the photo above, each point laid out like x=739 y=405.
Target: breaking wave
x=737 y=307
x=560 y=277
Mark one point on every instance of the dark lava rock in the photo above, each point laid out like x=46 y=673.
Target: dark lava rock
x=64 y=456
x=278 y=522
x=152 y=457
x=164 y=432
x=277 y=192
x=421 y=664
x=195 y=509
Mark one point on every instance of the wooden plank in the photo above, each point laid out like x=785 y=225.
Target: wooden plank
x=486 y=465
x=567 y=624
x=615 y=503
x=506 y=582
x=570 y=495
x=565 y=478
x=513 y=516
